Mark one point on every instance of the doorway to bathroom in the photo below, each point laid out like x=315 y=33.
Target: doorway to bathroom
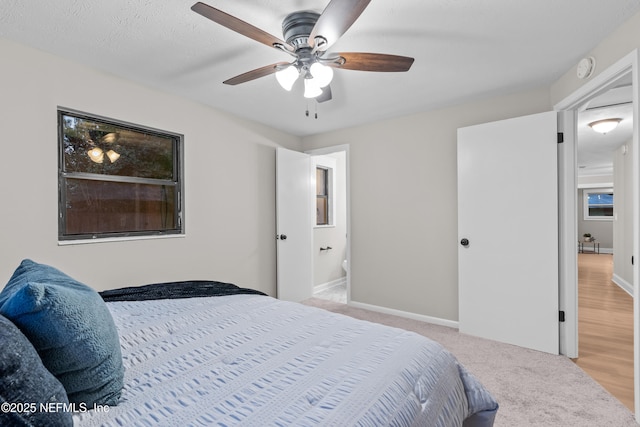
x=330 y=176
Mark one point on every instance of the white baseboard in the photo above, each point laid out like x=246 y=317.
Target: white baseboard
x=406 y=314
x=328 y=285
x=623 y=284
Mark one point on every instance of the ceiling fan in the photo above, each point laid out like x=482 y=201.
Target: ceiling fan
x=308 y=35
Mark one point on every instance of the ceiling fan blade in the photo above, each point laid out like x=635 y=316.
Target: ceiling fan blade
x=335 y=20
x=254 y=74
x=325 y=95
x=239 y=26
x=372 y=62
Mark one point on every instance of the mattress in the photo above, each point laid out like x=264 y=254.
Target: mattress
x=253 y=360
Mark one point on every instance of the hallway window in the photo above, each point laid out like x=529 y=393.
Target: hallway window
x=598 y=204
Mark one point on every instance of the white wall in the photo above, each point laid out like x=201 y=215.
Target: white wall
x=403 y=234
x=229 y=180
x=404 y=202
x=618 y=44
x=403 y=183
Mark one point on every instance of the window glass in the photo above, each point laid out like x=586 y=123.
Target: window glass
x=117 y=179
x=102 y=148
x=598 y=204
x=322 y=196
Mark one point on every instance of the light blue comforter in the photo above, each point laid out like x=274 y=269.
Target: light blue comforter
x=256 y=361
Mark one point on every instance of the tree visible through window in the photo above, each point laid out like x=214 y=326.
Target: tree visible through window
x=117 y=179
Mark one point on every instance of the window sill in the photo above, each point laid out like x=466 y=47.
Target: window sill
x=117 y=239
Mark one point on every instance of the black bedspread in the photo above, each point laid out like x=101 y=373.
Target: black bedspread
x=169 y=290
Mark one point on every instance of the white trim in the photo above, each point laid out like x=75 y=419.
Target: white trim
x=328 y=285
x=599 y=84
x=585 y=203
x=623 y=284
x=119 y=239
x=567 y=233
x=598 y=185
x=405 y=314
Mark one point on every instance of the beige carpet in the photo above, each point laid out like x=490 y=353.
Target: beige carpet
x=532 y=388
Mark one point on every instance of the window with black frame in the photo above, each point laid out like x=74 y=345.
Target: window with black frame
x=117 y=179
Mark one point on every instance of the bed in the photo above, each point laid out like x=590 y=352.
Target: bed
x=243 y=358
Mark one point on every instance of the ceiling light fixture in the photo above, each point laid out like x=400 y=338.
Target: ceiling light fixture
x=287 y=77
x=316 y=76
x=311 y=87
x=604 y=126
x=321 y=73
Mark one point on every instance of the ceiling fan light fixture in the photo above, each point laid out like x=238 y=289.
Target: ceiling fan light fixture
x=287 y=77
x=604 y=126
x=309 y=35
x=311 y=88
x=321 y=74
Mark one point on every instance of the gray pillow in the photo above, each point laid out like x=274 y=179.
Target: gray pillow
x=72 y=329
x=24 y=380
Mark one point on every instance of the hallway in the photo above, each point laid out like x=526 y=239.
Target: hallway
x=605 y=327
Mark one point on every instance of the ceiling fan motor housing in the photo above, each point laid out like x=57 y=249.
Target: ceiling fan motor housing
x=297 y=26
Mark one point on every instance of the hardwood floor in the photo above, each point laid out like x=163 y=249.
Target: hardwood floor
x=605 y=327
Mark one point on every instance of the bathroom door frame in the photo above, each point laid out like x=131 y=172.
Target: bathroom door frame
x=345 y=149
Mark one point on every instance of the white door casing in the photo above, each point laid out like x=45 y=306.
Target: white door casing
x=508 y=211
x=294 y=226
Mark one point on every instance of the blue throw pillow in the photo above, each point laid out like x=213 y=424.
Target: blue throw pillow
x=25 y=384
x=72 y=329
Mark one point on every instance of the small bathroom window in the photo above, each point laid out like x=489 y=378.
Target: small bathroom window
x=323 y=172
x=322 y=195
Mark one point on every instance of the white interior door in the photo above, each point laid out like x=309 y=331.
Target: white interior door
x=508 y=212
x=294 y=225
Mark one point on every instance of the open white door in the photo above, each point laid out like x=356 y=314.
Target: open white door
x=294 y=225
x=508 y=231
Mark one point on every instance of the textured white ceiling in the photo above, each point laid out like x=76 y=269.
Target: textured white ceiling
x=462 y=49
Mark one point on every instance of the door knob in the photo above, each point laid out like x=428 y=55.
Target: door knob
x=464 y=242
x=281 y=236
